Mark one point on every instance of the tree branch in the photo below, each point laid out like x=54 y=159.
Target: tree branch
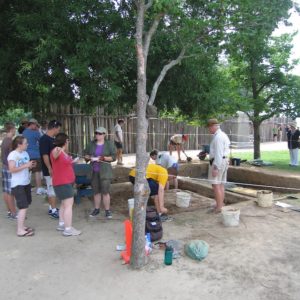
x=264 y=85
x=148 y=5
x=163 y=73
x=150 y=33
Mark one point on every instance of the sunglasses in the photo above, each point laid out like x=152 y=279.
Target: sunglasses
x=99 y=133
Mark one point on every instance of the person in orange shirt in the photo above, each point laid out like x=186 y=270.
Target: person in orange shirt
x=157 y=177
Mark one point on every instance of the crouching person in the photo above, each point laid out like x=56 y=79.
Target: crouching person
x=63 y=180
x=19 y=165
x=157 y=177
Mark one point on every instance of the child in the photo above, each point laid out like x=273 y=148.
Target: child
x=19 y=165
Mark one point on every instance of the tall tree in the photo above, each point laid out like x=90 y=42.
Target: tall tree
x=259 y=63
x=198 y=29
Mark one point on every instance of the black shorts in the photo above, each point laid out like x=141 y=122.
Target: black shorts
x=22 y=194
x=173 y=143
x=119 y=145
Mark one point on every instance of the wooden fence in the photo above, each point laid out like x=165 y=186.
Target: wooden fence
x=81 y=127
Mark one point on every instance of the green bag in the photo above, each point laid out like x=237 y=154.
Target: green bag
x=196 y=249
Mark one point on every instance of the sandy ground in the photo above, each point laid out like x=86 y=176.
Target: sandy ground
x=257 y=260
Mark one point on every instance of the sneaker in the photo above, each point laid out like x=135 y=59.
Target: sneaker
x=60 y=228
x=12 y=216
x=54 y=215
x=108 y=214
x=41 y=191
x=95 y=212
x=165 y=218
x=71 y=232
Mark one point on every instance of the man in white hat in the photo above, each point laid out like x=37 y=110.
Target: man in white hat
x=293 y=135
x=218 y=162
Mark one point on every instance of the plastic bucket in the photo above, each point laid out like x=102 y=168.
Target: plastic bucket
x=130 y=208
x=265 y=198
x=230 y=216
x=183 y=199
x=236 y=161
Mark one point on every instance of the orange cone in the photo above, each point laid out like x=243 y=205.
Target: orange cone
x=126 y=254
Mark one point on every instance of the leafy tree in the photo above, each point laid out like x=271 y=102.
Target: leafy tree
x=259 y=63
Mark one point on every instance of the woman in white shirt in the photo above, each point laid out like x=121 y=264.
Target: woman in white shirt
x=19 y=165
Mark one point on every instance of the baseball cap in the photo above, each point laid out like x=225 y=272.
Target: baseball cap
x=100 y=130
x=33 y=121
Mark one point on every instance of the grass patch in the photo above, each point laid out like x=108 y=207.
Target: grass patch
x=280 y=159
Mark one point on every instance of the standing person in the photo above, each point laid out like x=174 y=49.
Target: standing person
x=168 y=162
x=293 y=135
x=33 y=135
x=177 y=141
x=23 y=126
x=101 y=152
x=43 y=127
x=19 y=165
x=63 y=180
x=6 y=148
x=118 y=137
x=157 y=177
x=218 y=162
x=46 y=146
x=275 y=132
x=279 y=132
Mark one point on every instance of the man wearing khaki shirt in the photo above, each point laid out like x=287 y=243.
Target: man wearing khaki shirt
x=218 y=161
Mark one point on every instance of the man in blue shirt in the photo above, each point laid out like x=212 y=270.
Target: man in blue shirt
x=33 y=135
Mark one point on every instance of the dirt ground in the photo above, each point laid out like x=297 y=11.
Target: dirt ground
x=257 y=260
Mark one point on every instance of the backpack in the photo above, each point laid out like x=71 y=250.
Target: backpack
x=153 y=224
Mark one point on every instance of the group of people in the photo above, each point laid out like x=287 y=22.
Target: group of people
x=165 y=171
x=33 y=152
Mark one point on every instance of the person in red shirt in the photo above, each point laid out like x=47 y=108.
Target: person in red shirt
x=63 y=180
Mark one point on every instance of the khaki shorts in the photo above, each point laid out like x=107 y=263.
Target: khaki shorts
x=38 y=167
x=100 y=186
x=50 y=189
x=221 y=178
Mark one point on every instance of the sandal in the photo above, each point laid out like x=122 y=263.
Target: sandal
x=28 y=229
x=27 y=233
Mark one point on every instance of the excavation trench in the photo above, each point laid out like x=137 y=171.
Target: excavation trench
x=192 y=179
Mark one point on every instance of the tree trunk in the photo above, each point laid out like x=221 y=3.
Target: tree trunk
x=256 y=127
x=141 y=188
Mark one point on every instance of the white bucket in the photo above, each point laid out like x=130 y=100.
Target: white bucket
x=130 y=207
x=265 y=198
x=183 y=199
x=230 y=216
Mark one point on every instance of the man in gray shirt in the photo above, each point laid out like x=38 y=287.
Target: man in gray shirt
x=218 y=161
